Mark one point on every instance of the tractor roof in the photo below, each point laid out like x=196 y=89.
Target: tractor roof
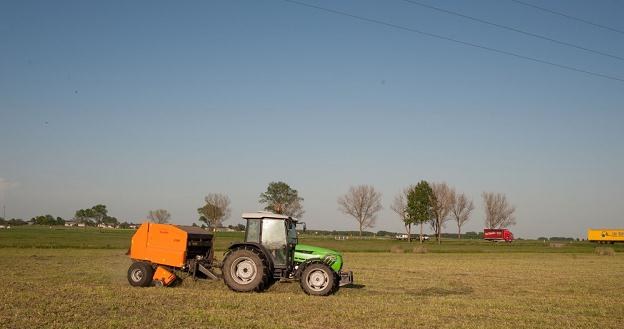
x=265 y=214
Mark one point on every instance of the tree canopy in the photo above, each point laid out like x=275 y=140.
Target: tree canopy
x=280 y=198
x=419 y=208
x=95 y=215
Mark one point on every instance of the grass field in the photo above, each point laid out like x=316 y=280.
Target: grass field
x=81 y=282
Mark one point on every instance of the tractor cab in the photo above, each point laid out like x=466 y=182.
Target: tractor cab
x=275 y=233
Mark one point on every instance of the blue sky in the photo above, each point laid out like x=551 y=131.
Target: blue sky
x=145 y=105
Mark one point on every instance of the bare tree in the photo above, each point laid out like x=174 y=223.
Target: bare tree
x=460 y=210
x=216 y=210
x=399 y=206
x=442 y=200
x=498 y=212
x=362 y=203
x=159 y=216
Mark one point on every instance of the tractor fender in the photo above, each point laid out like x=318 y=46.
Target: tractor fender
x=257 y=246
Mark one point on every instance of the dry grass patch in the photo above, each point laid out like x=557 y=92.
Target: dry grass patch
x=397 y=250
x=420 y=250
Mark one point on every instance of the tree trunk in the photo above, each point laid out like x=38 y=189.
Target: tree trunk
x=360 y=229
x=421 y=224
x=409 y=233
x=458 y=231
x=439 y=226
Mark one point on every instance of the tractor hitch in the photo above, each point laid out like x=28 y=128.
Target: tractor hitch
x=346 y=278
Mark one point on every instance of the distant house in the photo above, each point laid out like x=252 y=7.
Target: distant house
x=70 y=223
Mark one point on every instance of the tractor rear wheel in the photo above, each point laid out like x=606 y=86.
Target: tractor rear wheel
x=245 y=270
x=318 y=279
x=140 y=274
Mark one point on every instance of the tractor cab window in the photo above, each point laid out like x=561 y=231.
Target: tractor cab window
x=253 y=230
x=274 y=239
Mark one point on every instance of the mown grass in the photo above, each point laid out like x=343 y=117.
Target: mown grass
x=87 y=288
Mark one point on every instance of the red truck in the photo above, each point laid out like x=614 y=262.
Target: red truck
x=497 y=234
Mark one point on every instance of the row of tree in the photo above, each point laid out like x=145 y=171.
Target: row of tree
x=12 y=222
x=419 y=204
x=434 y=203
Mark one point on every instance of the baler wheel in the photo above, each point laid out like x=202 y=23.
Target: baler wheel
x=140 y=274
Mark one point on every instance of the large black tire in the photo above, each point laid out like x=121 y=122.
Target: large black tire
x=140 y=274
x=245 y=269
x=318 y=279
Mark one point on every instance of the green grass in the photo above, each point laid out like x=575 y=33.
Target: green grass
x=92 y=238
x=87 y=288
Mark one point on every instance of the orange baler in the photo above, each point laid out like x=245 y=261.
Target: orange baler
x=159 y=249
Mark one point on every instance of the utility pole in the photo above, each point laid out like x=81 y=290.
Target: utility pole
x=4 y=211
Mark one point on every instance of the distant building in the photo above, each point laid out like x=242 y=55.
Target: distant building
x=70 y=223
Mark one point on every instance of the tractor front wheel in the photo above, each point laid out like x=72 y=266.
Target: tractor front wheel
x=318 y=279
x=140 y=274
x=245 y=270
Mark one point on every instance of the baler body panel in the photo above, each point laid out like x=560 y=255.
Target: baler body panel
x=166 y=244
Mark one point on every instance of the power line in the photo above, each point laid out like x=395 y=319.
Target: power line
x=568 y=16
x=437 y=36
x=513 y=29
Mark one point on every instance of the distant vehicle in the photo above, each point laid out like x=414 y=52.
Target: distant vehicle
x=401 y=236
x=497 y=234
x=605 y=235
x=414 y=237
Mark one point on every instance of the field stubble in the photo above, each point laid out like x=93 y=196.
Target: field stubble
x=70 y=288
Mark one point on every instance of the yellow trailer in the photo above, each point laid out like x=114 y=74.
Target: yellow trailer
x=605 y=235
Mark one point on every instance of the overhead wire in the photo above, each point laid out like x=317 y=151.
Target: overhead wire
x=509 y=28
x=568 y=16
x=465 y=43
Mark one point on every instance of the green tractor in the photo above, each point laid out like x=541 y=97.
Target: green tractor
x=271 y=252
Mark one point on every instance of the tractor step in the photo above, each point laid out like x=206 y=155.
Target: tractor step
x=346 y=278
